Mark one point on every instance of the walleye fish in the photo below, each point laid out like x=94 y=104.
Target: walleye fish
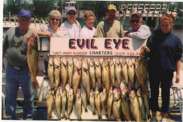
x=58 y=102
x=116 y=109
x=50 y=103
x=57 y=71
x=98 y=74
x=70 y=100
x=70 y=70
x=32 y=57
x=98 y=104
x=63 y=72
x=125 y=71
x=109 y=103
x=112 y=71
x=116 y=93
x=105 y=75
x=78 y=104
x=103 y=97
x=64 y=102
x=85 y=77
x=92 y=101
x=118 y=72
x=76 y=76
x=51 y=71
x=131 y=73
x=92 y=73
x=84 y=99
x=134 y=106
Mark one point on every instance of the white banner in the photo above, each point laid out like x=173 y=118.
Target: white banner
x=95 y=47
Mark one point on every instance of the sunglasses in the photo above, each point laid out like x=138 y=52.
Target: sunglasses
x=71 y=13
x=56 y=19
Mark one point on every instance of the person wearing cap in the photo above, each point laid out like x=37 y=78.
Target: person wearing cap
x=110 y=26
x=71 y=25
x=165 y=51
x=15 y=44
x=88 y=29
x=138 y=31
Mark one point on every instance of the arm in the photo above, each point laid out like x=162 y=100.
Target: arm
x=142 y=33
x=99 y=30
x=178 y=67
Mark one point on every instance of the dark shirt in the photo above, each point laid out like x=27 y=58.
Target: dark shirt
x=166 y=50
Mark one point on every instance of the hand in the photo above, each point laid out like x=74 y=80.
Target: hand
x=143 y=50
x=177 y=78
x=35 y=84
x=31 y=40
x=127 y=34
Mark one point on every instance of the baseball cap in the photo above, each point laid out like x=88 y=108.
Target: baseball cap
x=70 y=9
x=111 y=7
x=24 y=13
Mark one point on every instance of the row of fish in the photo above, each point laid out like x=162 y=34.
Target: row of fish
x=118 y=104
x=116 y=82
x=96 y=73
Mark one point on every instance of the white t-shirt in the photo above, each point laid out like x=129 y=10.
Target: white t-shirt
x=87 y=33
x=73 y=29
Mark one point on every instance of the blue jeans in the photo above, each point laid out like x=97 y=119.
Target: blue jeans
x=14 y=79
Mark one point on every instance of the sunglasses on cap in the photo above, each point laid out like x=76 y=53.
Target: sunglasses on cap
x=71 y=13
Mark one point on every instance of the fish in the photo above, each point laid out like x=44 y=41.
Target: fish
x=77 y=75
x=109 y=103
x=84 y=99
x=103 y=97
x=131 y=73
x=56 y=61
x=51 y=71
x=112 y=71
x=63 y=72
x=64 y=102
x=78 y=104
x=105 y=75
x=92 y=74
x=118 y=72
x=85 y=78
x=98 y=104
x=70 y=101
x=32 y=57
x=116 y=109
x=145 y=98
x=98 y=73
x=116 y=93
x=125 y=71
x=58 y=102
x=134 y=106
x=50 y=103
x=92 y=101
x=70 y=70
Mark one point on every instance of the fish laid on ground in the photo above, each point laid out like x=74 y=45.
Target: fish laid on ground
x=105 y=75
x=92 y=101
x=76 y=76
x=78 y=104
x=50 y=103
x=70 y=70
x=32 y=58
x=58 y=102
x=51 y=71
x=98 y=74
x=116 y=109
x=92 y=74
x=85 y=79
x=57 y=71
x=109 y=103
x=134 y=106
x=64 y=102
x=70 y=100
x=84 y=99
x=98 y=104
x=63 y=72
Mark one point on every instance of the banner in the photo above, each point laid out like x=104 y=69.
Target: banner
x=95 y=47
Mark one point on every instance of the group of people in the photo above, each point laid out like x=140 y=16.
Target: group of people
x=163 y=48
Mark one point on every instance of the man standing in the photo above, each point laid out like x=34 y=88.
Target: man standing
x=110 y=27
x=71 y=25
x=16 y=43
x=138 y=31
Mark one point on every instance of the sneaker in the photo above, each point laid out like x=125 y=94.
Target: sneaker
x=27 y=117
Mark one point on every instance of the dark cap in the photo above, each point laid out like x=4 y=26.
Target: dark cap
x=24 y=13
x=136 y=16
